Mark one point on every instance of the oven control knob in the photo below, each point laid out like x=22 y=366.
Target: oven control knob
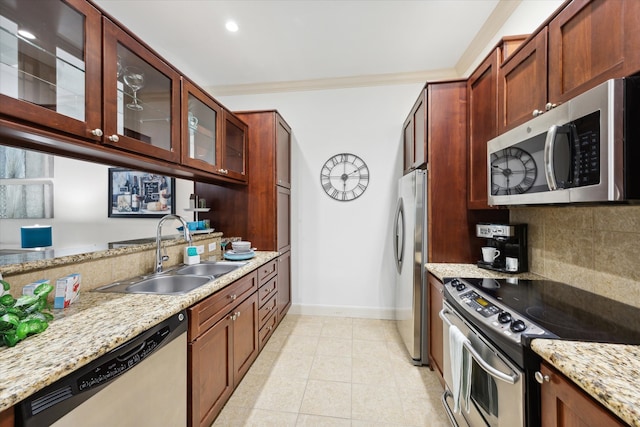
x=454 y=282
x=504 y=317
x=518 y=326
x=460 y=287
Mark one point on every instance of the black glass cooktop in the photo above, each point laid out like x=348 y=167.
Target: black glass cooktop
x=565 y=311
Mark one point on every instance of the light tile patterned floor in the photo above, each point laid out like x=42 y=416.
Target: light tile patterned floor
x=330 y=371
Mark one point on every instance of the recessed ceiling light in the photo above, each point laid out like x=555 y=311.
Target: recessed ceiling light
x=26 y=34
x=231 y=26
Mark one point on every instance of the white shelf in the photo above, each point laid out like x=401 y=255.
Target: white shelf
x=197 y=209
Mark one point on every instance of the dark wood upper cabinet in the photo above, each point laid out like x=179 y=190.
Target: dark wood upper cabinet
x=522 y=83
x=269 y=202
x=141 y=98
x=283 y=153
x=415 y=135
x=54 y=80
x=590 y=42
x=483 y=125
x=233 y=153
x=201 y=129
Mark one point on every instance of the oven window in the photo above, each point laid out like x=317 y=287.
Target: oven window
x=484 y=394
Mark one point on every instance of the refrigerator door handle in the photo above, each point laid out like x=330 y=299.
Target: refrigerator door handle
x=399 y=230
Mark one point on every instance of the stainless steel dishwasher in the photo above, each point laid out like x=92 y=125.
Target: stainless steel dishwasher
x=140 y=383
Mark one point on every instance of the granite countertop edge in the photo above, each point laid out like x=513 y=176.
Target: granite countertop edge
x=91 y=327
x=609 y=373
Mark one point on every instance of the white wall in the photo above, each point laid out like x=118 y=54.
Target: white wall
x=80 y=198
x=342 y=260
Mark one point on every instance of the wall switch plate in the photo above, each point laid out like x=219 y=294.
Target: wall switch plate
x=212 y=246
x=200 y=249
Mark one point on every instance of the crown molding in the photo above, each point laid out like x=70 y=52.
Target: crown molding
x=503 y=10
x=334 y=83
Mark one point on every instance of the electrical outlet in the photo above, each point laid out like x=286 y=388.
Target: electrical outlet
x=200 y=249
x=212 y=246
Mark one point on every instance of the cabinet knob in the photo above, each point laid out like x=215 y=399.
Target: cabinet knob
x=224 y=171
x=233 y=297
x=540 y=378
x=550 y=106
x=97 y=132
x=537 y=113
x=114 y=138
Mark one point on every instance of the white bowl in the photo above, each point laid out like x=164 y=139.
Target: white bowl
x=241 y=246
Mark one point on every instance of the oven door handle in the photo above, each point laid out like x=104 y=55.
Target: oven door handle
x=497 y=374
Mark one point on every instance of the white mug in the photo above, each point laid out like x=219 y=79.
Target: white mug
x=489 y=254
x=511 y=264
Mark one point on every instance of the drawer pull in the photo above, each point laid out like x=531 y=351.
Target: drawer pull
x=233 y=297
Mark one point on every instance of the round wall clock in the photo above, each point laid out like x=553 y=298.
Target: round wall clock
x=513 y=170
x=344 y=177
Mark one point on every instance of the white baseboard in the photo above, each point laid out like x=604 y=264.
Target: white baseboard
x=342 y=311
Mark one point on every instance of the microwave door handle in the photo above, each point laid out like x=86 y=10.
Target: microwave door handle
x=549 y=145
x=495 y=373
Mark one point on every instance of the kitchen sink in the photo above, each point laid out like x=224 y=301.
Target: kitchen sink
x=177 y=281
x=215 y=269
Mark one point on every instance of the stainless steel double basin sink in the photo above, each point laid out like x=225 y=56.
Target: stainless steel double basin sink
x=175 y=281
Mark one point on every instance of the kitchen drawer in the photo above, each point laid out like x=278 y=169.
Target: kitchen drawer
x=267 y=329
x=266 y=309
x=206 y=313
x=267 y=271
x=267 y=290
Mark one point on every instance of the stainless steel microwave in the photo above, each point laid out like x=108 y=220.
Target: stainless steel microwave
x=585 y=150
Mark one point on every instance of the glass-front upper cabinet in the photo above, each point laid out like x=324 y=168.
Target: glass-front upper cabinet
x=234 y=148
x=201 y=128
x=141 y=98
x=50 y=59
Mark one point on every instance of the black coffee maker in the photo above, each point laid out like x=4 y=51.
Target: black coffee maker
x=510 y=241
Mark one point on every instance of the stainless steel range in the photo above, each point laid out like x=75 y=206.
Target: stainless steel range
x=497 y=319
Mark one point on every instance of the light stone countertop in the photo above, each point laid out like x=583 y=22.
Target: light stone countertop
x=92 y=326
x=610 y=373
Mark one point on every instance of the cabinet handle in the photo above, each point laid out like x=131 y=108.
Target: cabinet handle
x=113 y=138
x=232 y=317
x=269 y=308
x=540 y=378
x=233 y=297
x=537 y=113
x=97 y=132
x=237 y=314
x=550 y=106
x=224 y=171
x=267 y=290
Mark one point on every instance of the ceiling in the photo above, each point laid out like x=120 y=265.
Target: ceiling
x=289 y=43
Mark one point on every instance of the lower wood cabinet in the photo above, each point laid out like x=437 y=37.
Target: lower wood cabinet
x=220 y=355
x=564 y=404
x=435 y=325
x=7 y=418
x=284 y=284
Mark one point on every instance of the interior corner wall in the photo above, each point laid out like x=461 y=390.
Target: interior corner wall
x=342 y=258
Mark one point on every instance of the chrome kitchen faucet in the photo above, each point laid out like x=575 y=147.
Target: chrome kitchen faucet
x=185 y=231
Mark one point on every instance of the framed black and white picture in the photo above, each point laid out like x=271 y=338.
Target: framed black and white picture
x=136 y=194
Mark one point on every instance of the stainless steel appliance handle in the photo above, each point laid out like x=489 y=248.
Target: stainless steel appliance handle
x=447 y=409
x=399 y=239
x=497 y=374
x=549 y=144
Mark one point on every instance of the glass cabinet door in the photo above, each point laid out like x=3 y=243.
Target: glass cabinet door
x=141 y=98
x=234 y=148
x=50 y=64
x=201 y=128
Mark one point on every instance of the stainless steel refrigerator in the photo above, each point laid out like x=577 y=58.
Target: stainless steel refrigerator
x=410 y=249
